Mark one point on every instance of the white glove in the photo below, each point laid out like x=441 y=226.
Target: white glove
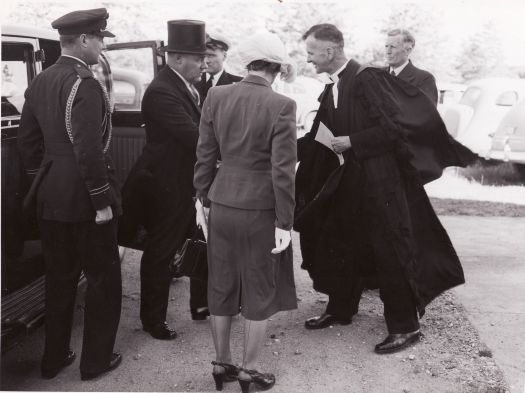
x=104 y=216
x=282 y=240
x=202 y=217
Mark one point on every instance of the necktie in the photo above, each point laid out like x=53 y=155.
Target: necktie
x=393 y=73
x=195 y=94
x=209 y=84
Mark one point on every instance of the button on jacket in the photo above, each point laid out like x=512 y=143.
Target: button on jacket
x=81 y=178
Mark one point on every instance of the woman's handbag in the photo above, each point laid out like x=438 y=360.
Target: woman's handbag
x=191 y=259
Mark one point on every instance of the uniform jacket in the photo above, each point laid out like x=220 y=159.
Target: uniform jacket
x=163 y=174
x=81 y=177
x=225 y=79
x=254 y=130
x=379 y=187
x=421 y=79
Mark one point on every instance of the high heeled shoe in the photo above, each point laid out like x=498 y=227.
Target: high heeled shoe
x=262 y=381
x=229 y=375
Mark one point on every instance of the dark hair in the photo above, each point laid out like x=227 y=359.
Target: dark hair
x=326 y=32
x=263 y=65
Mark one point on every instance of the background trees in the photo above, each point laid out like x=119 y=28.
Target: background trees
x=456 y=45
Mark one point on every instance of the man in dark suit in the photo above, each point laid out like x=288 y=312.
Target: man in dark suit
x=398 y=47
x=171 y=112
x=370 y=216
x=217 y=48
x=66 y=128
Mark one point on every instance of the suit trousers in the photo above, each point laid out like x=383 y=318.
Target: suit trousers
x=165 y=237
x=69 y=249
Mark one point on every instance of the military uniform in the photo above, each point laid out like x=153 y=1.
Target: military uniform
x=66 y=124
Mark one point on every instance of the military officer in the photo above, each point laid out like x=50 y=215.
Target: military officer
x=217 y=47
x=66 y=128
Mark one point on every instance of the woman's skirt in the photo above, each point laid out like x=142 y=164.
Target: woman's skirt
x=243 y=274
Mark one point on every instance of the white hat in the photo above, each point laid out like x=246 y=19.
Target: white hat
x=268 y=47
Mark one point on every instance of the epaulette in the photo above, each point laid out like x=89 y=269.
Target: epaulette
x=82 y=71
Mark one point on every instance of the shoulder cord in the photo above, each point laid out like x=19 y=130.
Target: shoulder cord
x=106 y=123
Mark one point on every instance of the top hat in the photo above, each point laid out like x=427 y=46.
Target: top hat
x=83 y=22
x=186 y=36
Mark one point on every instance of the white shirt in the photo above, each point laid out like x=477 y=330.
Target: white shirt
x=77 y=59
x=215 y=77
x=190 y=87
x=398 y=70
x=335 y=78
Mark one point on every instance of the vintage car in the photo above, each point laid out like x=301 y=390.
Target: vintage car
x=508 y=142
x=25 y=53
x=481 y=109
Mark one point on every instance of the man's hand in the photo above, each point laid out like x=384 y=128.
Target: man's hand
x=201 y=217
x=282 y=240
x=341 y=144
x=104 y=216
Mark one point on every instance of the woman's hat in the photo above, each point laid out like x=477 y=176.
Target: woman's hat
x=268 y=47
x=186 y=36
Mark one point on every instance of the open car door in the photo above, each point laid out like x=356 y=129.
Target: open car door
x=133 y=67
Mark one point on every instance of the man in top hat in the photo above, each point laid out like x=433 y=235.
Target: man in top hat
x=162 y=175
x=217 y=47
x=66 y=128
x=398 y=47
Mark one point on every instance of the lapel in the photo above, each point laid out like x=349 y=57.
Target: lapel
x=180 y=88
x=224 y=79
x=346 y=113
x=408 y=73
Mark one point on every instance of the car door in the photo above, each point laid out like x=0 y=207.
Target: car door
x=133 y=67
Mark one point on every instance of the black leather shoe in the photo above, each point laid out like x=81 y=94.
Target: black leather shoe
x=199 y=315
x=161 y=331
x=397 y=342
x=48 y=373
x=116 y=359
x=324 y=320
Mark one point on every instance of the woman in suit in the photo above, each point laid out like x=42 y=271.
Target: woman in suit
x=253 y=130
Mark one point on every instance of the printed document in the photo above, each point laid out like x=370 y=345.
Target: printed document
x=324 y=137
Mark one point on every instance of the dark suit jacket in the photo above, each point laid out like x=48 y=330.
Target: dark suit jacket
x=254 y=130
x=161 y=179
x=81 y=178
x=225 y=79
x=421 y=79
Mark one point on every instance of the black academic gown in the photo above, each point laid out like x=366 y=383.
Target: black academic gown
x=398 y=143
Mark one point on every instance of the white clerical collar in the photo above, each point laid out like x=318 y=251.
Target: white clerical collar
x=216 y=77
x=398 y=70
x=335 y=76
x=77 y=59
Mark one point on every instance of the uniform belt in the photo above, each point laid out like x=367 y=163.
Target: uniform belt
x=59 y=149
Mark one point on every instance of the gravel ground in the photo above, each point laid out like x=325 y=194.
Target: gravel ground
x=450 y=357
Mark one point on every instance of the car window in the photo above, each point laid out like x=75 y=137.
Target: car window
x=471 y=96
x=16 y=73
x=102 y=72
x=132 y=71
x=507 y=98
x=51 y=52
